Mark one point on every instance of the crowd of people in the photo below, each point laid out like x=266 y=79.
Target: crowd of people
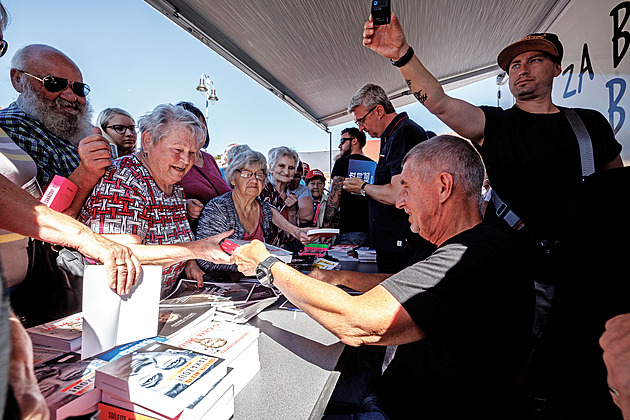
x=473 y=307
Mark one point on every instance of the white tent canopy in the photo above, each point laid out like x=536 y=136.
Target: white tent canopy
x=309 y=53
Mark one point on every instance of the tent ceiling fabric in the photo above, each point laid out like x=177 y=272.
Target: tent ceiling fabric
x=309 y=53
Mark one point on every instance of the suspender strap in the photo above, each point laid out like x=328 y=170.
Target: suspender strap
x=586 y=159
x=584 y=141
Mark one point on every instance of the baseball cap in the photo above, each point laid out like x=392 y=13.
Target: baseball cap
x=315 y=173
x=546 y=42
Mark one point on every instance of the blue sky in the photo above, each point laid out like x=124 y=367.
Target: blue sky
x=135 y=58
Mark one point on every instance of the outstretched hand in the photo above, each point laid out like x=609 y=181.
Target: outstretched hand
x=247 y=257
x=387 y=40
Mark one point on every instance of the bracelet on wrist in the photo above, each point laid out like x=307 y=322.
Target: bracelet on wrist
x=404 y=59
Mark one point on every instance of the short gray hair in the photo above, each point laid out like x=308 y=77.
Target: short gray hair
x=279 y=152
x=4 y=17
x=236 y=150
x=159 y=121
x=453 y=155
x=370 y=96
x=242 y=159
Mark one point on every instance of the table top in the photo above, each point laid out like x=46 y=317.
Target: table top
x=297 y=358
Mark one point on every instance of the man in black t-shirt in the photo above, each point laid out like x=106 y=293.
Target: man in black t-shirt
x=460 y=318
x=533 y=140
x=351 y=209
x=389 y=227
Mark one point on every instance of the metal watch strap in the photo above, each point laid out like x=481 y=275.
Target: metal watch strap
x=267 y=263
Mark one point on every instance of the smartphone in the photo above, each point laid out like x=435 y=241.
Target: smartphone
x=381 y=12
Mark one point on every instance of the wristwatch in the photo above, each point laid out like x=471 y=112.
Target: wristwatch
x=363 y=189
x=263 y=271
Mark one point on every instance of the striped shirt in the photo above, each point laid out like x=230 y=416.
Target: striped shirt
x=53 y=155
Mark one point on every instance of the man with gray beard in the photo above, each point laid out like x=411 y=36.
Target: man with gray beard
x=50 y=120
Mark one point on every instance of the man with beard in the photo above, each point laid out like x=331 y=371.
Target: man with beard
x=353 y=218
x=50 y=119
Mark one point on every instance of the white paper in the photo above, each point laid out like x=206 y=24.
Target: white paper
x=110 y=319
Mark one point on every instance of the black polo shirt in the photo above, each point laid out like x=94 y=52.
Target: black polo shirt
x=389 y=226
x=353 y=208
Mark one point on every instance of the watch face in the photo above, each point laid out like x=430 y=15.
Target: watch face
x=260 y=274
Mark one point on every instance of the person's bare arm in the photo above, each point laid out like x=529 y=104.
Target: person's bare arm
x=616 y=345
x=22 y=213
x=305 y=211
x=386 y=194
x=389 y=41
x=165 y=255
x=22 y=376
x=374 y=317
x=283 y=224
x=361 y=282
x=333 y=202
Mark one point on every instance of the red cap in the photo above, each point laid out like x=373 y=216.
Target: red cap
x=315 y=173
x=306 y=167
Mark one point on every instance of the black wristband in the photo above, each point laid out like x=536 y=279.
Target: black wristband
x=404 y=59
x=364 y=184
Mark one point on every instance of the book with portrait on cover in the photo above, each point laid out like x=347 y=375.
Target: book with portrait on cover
x=163 y=377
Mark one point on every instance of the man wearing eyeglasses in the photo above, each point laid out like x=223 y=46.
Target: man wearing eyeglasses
x=389 y=227
x=51 y=120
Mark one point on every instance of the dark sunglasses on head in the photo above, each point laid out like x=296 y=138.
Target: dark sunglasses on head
x=57 y=84
x=4 y=46
x=121 y=129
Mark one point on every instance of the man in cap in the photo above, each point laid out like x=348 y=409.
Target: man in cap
x=315 y=181
x=532 y=139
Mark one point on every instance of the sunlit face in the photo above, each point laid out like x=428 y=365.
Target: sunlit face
x=249 y=187
x=284 y=170
x=531 y=74
x=126 y=141
x=419 y=200
x=170 y=158
x=59 y=66
x=316 y=185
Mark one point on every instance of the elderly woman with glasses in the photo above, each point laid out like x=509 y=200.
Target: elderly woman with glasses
x=239 y=209
x=119 y=129
x=139 y=201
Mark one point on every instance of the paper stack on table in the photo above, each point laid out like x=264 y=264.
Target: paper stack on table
x=366 y=254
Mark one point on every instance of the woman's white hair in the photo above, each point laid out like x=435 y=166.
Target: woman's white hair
x=159 y=121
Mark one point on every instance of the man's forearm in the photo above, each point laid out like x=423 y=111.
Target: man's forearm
x=386 y=194
x=361 y=282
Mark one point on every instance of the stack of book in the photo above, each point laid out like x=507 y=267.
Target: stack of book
x=67 y=383
x=159 y=380
x=240 y=312
x=366 y=254
x=63 y=334
x=343 y=252
x=236 y=344
x=316 y=250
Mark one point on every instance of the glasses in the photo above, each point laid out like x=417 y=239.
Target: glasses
x=345 y=139
x=361 y=120
x=122 y=129
x=4 y=46
x=57 y=84
x=260 y=175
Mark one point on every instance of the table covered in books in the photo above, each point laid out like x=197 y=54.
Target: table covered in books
x=225 y=350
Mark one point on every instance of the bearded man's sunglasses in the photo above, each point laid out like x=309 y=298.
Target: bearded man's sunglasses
x=56 y=84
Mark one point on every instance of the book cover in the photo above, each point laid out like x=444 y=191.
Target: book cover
x=107 y=315
x=112 y=412
x=163 y=377
x=223 y=339
x=323 y=232
x=363 y=169
x=229 y=245
x=173 y=320
x=233 y=292
x=62 y=334
x=188 y=293
x=67 y=383
x=44 y=353
x=128 y=348
x=59 y=193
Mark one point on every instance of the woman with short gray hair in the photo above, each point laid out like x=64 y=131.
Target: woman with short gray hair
x=139 y=201
x=239 y=209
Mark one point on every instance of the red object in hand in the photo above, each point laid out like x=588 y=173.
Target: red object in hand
x=228 y=246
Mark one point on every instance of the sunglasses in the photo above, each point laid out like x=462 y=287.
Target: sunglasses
x=57 y=84
x=260 y=176
x=344 y=139
x=122 y=129
x=4 y=46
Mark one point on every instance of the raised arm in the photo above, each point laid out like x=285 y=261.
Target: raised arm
x=389 y=41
